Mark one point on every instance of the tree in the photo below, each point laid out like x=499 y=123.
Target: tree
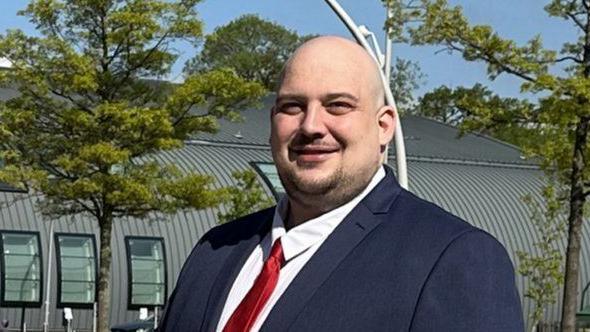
x=442 y=104
x=562 y=111
x=406 y=77
x=545 y=269
x=247 y=197
x=84 y=130
x=479 y=109
x=255 y=48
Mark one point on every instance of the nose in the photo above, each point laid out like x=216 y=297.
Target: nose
x=313 y=122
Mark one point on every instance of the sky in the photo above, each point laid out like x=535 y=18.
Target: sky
x=519 y=20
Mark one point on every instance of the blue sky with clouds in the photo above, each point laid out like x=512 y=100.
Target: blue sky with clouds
x=516 y=19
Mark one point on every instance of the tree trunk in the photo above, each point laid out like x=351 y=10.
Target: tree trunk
x=104 y=289
x=575 y=220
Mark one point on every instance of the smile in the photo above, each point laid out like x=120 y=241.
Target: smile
x=313 y=154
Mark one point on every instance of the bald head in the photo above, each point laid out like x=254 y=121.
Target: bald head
x=329 y=51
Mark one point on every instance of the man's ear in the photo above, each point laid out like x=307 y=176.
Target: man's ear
x=386 y=121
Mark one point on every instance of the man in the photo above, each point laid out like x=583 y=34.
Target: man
x=347 y=249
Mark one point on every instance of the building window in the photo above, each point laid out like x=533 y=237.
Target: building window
x=22 y=269
x=147 y=272
x=269 y=173
x=77 y=270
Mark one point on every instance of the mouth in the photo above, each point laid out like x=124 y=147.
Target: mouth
x=313 y=154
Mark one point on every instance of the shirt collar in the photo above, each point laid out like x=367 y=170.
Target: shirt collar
x=303 y=236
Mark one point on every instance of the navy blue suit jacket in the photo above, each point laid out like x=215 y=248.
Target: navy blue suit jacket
x=395 y=263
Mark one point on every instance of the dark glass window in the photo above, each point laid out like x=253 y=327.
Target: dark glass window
x=269 y=173
x=22 y=269
x=77 y=267
x=147 y=271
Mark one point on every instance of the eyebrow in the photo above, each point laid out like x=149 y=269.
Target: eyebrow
x=329 y=96
x=295 y=97
x=336 y=95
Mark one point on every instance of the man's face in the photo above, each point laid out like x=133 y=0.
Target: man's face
x=326 y=136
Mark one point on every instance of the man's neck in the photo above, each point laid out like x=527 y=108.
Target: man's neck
x=299 y=212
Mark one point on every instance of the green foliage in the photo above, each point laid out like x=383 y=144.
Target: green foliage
x=89 y=117
x=85 y=113
x=254 y=48
x=479 y=109
x=545 y=269
x=402 y=14
x=559 y=118
x=447 y=26
x=406 y=77
x=245 y=198
x=564 y=99
x=220 y=91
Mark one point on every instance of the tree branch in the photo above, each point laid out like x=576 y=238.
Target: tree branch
x=132 y=69
x=56 y=171
x=70 y=98
x=565 y=58
x=52 y=90
x=95 y=212
x=492 y=59
x=576 y=20
x=183 y=115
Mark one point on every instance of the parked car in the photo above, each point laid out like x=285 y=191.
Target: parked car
x=135 y=326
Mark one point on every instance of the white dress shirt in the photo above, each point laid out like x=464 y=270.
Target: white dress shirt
x=299 y=244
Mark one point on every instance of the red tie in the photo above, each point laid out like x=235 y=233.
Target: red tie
x=246 y=313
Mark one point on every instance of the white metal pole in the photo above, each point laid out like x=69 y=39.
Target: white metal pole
x=369 y=34
x=94 y=316
x=387 y=63
x=352 y=27
x=400 y=148
x=388 y=48
x=48 y=284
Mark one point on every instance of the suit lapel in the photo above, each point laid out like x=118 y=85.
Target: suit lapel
x=229 y=272
x=351 y=231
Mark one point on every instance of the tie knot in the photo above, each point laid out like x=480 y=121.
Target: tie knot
x=277 y=252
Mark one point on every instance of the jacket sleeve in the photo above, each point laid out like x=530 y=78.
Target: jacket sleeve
x=470 y=288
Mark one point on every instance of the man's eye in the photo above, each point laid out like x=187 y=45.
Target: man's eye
x=290 y=108
x=339 y=107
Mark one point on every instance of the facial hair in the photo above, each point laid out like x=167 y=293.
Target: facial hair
x=322 y=194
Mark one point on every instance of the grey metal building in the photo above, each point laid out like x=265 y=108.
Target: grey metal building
x=478 y=178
